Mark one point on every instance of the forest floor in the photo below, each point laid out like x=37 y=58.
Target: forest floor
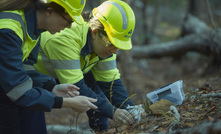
x=197 y=79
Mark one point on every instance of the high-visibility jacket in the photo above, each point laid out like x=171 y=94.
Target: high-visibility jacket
x=18 y=36
x=68 y=55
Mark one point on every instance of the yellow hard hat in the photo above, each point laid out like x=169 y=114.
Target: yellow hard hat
x=118 y=20
x=73 y=7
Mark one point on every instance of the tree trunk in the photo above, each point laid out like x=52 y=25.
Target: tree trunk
x=127 y=66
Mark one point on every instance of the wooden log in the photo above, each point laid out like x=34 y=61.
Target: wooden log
x=208 y=43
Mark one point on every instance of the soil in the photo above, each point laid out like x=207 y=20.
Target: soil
x=199 y=77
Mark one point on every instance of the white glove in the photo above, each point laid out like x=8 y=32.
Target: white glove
x=123 y=116
x=137 y=111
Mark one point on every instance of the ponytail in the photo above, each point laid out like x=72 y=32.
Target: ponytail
x=94 y=23
x=87 y=15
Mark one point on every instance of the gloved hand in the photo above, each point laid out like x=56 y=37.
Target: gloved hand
x=123 y=116
x=137 y=111
x=79 y=103
x=66 y=90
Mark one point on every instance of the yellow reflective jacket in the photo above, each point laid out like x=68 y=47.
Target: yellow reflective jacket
x=18 y=36
x=68 y=55
x=19 y=26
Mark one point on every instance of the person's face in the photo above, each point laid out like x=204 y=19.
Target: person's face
x=101 y=45
x=58 y=21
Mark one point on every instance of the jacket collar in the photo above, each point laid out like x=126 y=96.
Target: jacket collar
x=88 y=50
x=31 y=22
x=87 y=47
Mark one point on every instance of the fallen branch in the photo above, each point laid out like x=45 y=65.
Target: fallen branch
x=215 y=95
x=206 y=43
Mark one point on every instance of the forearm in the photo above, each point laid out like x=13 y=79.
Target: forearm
x=41 y=80
x=117 y=95
x=103 y=104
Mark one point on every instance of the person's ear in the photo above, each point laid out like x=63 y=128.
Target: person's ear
x=94 y=33
x=49 y=11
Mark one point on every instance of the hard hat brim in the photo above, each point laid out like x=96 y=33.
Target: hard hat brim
x=78 y=19
x=123 y=45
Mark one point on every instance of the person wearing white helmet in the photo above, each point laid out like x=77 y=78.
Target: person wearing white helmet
x=23 y=101
x=85 y=55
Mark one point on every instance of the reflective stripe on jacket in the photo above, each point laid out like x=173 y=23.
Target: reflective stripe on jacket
x=14 y=81
x=68 y=55
x=28 y=38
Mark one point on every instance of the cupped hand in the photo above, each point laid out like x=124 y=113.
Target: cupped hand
x=80 y=103
x=66 y=90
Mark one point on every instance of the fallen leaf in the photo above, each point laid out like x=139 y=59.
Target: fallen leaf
x=210 y=118
x=199 y=107
x=188 y=124
x=188 y=114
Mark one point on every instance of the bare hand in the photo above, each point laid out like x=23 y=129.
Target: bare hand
x=80 y=104
x=66 y=90
x=123 y=116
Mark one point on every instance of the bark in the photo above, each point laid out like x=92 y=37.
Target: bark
x=198 y=37
x=208 y=43
x=192 y=24
x=193 y=7
x=215 y=95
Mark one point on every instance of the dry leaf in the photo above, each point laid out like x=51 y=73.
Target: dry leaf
x=198 y=107
x=210 y=118
x=188 y=114
x=188 y=124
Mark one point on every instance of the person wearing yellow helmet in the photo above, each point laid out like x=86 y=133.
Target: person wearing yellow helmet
x=73 y=8
x=24 y=100
x=85 y=55
x=119 y=29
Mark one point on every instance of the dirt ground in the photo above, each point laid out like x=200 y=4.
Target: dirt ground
x=197 y=79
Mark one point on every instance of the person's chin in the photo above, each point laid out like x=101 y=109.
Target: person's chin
x=103 y=56
x=52 y=32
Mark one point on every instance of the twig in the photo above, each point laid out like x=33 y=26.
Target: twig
x=210 y=110
x=218 y=95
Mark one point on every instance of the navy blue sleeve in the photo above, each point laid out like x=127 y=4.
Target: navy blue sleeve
x=39 y=79
x=118 y=94
x=103 y=104
x=14 y=81
x=42 y=80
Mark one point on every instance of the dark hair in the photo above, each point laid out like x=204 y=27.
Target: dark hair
x=15 y=4
x=35 y=4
